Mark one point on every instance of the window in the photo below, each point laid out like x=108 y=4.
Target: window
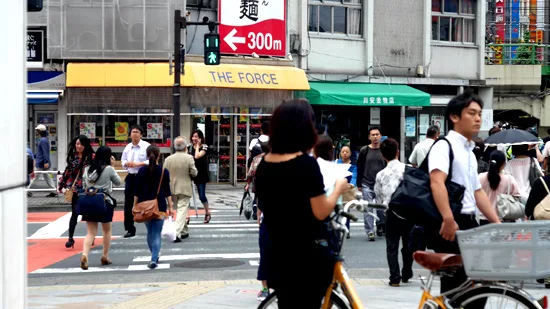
x=453 y=21
x=335 y=16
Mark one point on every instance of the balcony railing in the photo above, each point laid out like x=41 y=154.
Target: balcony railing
x=517 y=54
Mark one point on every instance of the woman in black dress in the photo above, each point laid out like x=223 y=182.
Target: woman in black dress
x=198 y=151
x=290 y=187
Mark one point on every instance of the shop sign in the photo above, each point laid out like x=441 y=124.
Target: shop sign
x=375 y=115
x=378 y=100
x=35 y=49
x=154 y=130
x=251 y=79
x=88 y=129
x=486 y=119
x=252 y=26
x=121 y=131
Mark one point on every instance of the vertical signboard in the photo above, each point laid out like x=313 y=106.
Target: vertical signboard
x=35 y=49
x=500 y=23
x=514 y=27
x=252 y=26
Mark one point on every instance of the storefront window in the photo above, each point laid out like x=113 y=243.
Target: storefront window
x=157 y=130
x=117 y=130
x=89 y=126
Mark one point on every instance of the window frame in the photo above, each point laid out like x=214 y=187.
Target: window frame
x=452 y=17
x=348 y=6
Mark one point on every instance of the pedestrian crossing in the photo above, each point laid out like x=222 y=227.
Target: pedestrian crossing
x=229 y=241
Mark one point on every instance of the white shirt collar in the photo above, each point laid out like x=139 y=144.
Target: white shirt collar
x=461 y=139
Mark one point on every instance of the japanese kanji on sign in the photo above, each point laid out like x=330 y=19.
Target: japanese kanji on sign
x=252 y=26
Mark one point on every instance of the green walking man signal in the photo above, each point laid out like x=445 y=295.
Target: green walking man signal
x=211 y=49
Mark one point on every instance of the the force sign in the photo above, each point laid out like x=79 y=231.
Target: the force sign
x=253 y=26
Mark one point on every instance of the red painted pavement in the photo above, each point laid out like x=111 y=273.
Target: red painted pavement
x=52 y=216
x=45 y=252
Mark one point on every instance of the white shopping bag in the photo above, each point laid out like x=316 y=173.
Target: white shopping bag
x=169 y=229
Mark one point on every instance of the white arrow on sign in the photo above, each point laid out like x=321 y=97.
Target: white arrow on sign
x=231 y=39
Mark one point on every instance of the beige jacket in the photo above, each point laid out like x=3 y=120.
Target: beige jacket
x=181 y=167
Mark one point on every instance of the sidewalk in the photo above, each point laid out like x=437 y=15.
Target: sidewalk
x=217 y=194
x=374 y=293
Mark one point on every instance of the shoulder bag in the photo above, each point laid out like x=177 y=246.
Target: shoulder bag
x=509 y=207
x=91 y=202
x=148 y=210
x=413 y=199
x=69 y=193
x=542 y=210
x=534 y=172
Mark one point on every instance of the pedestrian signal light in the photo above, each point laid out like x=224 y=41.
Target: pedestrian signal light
x=34 y=5
x=211 y=49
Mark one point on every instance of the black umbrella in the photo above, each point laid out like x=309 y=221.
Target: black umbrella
x=511 y=137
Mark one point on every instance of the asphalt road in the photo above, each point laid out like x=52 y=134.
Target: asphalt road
x=224 y=249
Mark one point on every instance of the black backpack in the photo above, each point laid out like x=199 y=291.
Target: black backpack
x=256 y=150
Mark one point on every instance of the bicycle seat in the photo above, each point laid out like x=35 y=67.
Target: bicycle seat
x=437 y=261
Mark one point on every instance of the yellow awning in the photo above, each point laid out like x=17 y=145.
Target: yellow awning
x=196 y=75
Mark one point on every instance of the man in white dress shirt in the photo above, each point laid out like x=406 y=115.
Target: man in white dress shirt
x=421 y=149
x=133 y=158
x=464 y=116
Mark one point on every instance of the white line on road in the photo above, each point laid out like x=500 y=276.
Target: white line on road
x=54 y=229
x=75 y=270
x=254 y=263
x=201 y=256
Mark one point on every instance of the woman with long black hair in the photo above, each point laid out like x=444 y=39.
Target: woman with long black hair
x=495 y=182
x=198 y=151
x=147 y=183
x=78 y=157
x=100 y=175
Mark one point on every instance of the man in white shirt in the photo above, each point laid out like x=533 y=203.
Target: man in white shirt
x=134 y=157
x=464 y=114
x=421 y=149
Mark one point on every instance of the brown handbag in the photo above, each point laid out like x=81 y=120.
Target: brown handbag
x=69 y=193
x=148 y=210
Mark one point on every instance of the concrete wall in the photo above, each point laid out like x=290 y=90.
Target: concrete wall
x=398 y=37
x=514 y=76
x=535 y=107
x=454 y=62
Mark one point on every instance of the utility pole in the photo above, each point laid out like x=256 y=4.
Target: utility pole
x=180 y=22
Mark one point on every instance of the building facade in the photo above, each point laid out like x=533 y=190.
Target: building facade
x=404 y=47
x=392 y=64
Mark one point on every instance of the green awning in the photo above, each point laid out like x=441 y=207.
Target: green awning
x=363 y=94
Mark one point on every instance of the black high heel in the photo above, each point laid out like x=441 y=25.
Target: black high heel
x=69 y=243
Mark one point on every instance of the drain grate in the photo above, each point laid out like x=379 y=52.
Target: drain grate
x=209 y=263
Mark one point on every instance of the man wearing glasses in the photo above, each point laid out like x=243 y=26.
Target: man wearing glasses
x=134 y=157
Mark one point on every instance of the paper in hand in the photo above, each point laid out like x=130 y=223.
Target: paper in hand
x=332 y=171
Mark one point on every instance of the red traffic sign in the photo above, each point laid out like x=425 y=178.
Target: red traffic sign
x=252 y=26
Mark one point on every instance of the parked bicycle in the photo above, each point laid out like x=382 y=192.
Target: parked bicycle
x=485 y=277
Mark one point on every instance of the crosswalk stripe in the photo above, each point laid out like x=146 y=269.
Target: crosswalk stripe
x=201 y=256
x=73 y=270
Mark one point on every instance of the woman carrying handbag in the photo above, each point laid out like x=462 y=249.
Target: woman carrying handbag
x=78 y=157
x=153 y=183
x=100 y=175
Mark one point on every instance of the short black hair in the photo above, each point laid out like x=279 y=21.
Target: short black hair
x=320 y=129
x=459 y=103
x=324 y=148
x=432 y=131
x=375 y=128
x=136 y=127
x=291 y=127
x=265 y=127
x=494 y=130
x=479 y=149
x=389 y=148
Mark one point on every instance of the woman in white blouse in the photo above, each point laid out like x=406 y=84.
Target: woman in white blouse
x=520 y=166
x=495 y=182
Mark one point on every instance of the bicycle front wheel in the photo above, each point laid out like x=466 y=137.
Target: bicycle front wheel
x=495 y=297
x=271 y=302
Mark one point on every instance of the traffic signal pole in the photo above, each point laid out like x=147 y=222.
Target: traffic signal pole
x=180 y=22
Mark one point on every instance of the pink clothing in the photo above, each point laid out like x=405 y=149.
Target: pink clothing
x=519 y=169
x=502 y=188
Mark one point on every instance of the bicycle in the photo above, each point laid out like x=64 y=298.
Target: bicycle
x=476 y=245
x=340 y=294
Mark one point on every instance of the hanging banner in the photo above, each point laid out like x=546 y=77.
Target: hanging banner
x=121 y=131
x=424 y=124
x=87 y=129
x=154 y=130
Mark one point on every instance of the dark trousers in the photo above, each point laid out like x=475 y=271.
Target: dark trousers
x=398 y=229
x=129 y=193
x=74 y=215
x=440 y=245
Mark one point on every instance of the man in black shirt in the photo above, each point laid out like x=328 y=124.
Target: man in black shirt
x=369 y=163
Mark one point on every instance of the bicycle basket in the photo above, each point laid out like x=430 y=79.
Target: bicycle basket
x=508 y=251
